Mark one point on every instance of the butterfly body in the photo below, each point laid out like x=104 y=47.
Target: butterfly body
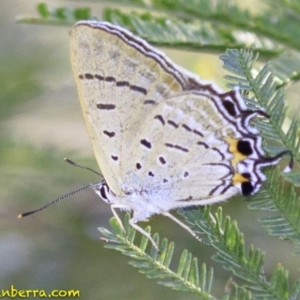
x=163 y=138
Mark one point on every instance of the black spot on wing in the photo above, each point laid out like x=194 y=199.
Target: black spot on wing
x=202 y=144
x=138 y=89
x=146 y=143
x=247 y=188
x=99 y=77
x=122 y=83
x=181 y=148
x=88 y=76
x=110 y=79
x=109 y=134
x=229 y=106
x=246 y=175
x=162 y=160
x=160 y=118
x=172 y=123
x=169 y=145
x=106 y=106
x=197 y=132
x=186 y=127
x=149 y=101
x=244 y=147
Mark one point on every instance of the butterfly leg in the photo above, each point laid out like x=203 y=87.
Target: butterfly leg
x=112 y=207
x=183 y=225
x=143 y=232
x=132 y=223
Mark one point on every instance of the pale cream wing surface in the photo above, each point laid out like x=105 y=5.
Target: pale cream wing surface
x=180 y=153
x=119 y=82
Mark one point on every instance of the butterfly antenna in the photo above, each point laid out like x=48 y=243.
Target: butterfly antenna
x=56 y=200
x=72 y=163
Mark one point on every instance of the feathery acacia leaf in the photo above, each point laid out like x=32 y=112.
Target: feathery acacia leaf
x=155 y=265
x=286 y=205
x=228 y=241
x=194 y=24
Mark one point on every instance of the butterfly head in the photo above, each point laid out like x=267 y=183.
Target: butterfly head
x=104 y=192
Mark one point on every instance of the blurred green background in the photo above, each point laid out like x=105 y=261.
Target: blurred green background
x=41 y=123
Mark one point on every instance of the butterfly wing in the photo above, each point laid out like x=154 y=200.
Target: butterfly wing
x=123 y=83
x=120 y=79
x=188 y=151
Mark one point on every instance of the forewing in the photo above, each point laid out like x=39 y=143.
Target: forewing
x=120 y=80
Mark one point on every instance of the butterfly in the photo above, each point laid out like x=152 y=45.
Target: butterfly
x=163 y=138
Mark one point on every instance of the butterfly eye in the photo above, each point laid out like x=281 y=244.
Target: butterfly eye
x=102 y=191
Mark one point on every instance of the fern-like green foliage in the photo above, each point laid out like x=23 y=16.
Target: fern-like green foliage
x=215 y=26
x=156 y=265
x=195 y=24
x=188 y=276
x=225 y=237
